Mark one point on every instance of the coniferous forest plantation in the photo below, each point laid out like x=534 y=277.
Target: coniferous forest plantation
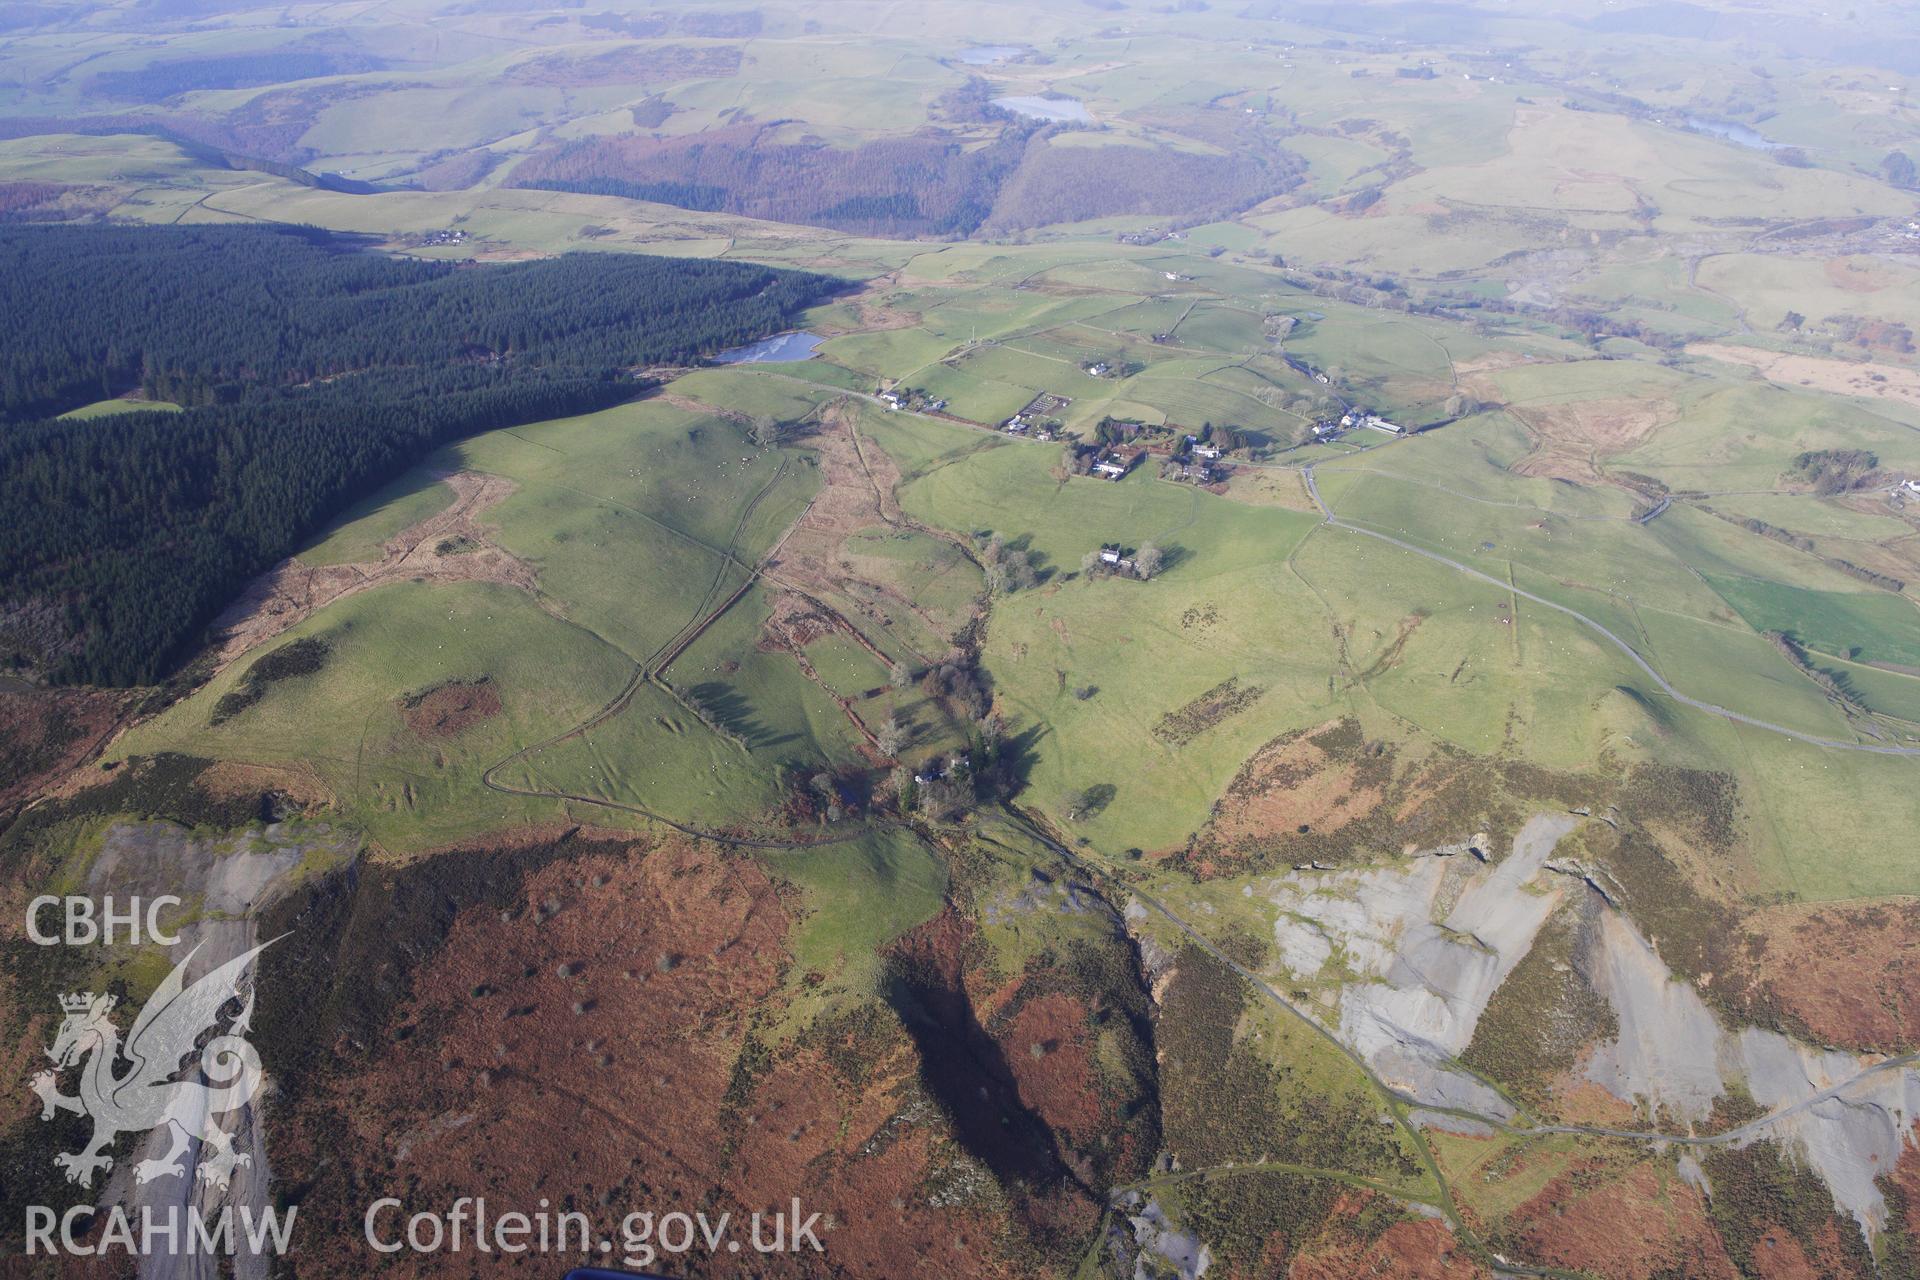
x=310 y=371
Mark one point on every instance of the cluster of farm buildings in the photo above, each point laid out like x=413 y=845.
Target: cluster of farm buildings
x=1119 y=446
x=910 y=399
x=1331 y=430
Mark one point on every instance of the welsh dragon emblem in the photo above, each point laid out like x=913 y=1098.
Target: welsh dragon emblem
x=132 y=1086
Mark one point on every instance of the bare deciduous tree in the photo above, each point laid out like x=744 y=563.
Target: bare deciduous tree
x=763 y=431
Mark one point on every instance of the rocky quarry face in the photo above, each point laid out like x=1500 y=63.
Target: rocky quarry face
x=1410 y=955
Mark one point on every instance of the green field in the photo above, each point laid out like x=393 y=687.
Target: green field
x=357 y=536
x=637 y=521
x=1127 y=638
x=346 y=723
x=1868 y=626
x=108 y=408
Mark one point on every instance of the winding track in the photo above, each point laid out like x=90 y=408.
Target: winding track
x=648 y=670
x=651 y=668
x=1726 y=713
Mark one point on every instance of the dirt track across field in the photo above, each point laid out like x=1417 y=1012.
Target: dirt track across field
x=452 y=546
x=856 y=493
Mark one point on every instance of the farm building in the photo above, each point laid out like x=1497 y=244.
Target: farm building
x=939 y=769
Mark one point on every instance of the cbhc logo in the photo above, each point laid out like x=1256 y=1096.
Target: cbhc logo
x=85 y=924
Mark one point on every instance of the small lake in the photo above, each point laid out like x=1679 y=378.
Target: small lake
x=1733 y=131
x=1057 y=110
x=781 y=348
x=987 y=54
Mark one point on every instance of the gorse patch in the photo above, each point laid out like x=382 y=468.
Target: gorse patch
x=304 y=657
x=1224 y=700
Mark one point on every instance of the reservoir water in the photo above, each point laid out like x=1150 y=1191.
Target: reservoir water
x=781 y=348
x=1057 y=110
x=1733 y=131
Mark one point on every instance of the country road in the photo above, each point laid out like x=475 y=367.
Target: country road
x=1313 y=491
